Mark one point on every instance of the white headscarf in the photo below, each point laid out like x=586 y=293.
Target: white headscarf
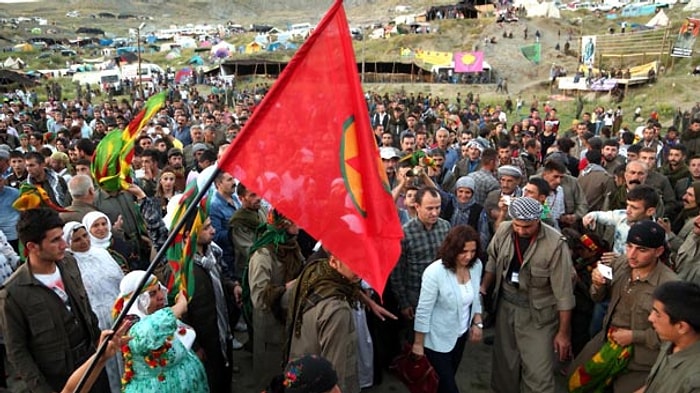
x=69 y=228
x=128 y=287
x=90 y=219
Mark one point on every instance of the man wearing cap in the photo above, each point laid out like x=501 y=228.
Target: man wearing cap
x=529 y=272
x=505 y=157
x=390 y=159
x=509 y=177
x=634 y=279
x=467 y=164
x=197 y=141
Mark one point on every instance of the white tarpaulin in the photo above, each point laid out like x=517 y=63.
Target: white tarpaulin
x=694 y=5
x=660 y=19
x=534 y=8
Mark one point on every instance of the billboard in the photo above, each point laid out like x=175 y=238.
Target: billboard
x=683 y=47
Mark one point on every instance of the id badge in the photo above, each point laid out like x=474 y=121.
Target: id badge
x=515 y=278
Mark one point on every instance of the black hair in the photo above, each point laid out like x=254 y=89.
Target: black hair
x=543 y=187
x=681 y=300
x=594 y=156
x=554 y=165
x=644 y=193
x=35 y=155
x=33 y=224
x=86 y=145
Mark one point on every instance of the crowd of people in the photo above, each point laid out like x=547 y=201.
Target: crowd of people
x=578 y=246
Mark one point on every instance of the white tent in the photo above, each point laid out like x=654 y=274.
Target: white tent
x=693 y=5
x=535 y=8
x=660 y=19
x=14 y=64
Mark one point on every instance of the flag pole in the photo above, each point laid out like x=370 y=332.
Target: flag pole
x=161 y=253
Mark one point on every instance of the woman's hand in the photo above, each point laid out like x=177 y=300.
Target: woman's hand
x=180 y=306
x=418 y=349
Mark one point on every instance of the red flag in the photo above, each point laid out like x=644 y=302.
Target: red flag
x=309 y=150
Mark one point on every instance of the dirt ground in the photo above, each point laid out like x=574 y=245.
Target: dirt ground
x=474 y=373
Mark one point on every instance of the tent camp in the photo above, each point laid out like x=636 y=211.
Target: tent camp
x=196 y=60
x=13 y=64
x=693 y=5
x=254 y=47
x=534 y=8
x=222 y=50
x=659 y=20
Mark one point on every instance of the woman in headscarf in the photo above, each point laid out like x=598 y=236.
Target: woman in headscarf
x=99 y=230
x=275 y=262
x=101 y=276
x=460 y=208
x=159 y=357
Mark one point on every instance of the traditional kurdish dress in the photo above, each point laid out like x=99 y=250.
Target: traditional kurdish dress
x=157 y=361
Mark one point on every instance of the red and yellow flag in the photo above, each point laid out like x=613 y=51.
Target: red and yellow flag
x=309 y=150
x=111 y=163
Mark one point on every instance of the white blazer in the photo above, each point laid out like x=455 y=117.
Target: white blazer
x=439 y=311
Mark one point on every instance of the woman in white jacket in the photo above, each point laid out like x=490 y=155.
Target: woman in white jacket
x=449 y=307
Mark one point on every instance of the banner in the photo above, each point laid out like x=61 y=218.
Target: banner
x=532 y=52
x=686 y=38
x=335 y=188
x=434 y=57
x=469 y=61
x=588 y=49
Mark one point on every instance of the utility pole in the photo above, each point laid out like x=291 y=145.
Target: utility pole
x=138 y=52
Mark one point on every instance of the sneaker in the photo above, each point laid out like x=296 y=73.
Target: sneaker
x=241 y=326
x=236 y=344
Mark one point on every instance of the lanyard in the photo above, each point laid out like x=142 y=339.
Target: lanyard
x=519 y=254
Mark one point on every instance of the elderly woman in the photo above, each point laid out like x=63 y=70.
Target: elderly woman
x=449 y=308
x=159 y=357
x=101 y=276
x=459 y=208
x=100 y=232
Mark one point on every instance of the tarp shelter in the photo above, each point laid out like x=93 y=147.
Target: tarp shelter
x=90 y=30
x=660 y=20
x=443 y=11
x=25 y=47
x=693 y=5
x=196 y=60
x=222 y=50
x=13 y=64
x=173 y=54
x=106 y=41
x=9 y=80
x=534 y=8
x=183 y=74
x=254 y=47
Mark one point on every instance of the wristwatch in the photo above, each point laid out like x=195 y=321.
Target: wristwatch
x=480 y=325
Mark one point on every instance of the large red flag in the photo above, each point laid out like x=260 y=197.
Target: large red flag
x=309 y=150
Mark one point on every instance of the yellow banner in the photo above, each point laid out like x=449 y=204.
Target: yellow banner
x=434 y=57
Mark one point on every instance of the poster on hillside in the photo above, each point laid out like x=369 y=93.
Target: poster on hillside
x=469 y=61
x=683 y=47
x=588 y=48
